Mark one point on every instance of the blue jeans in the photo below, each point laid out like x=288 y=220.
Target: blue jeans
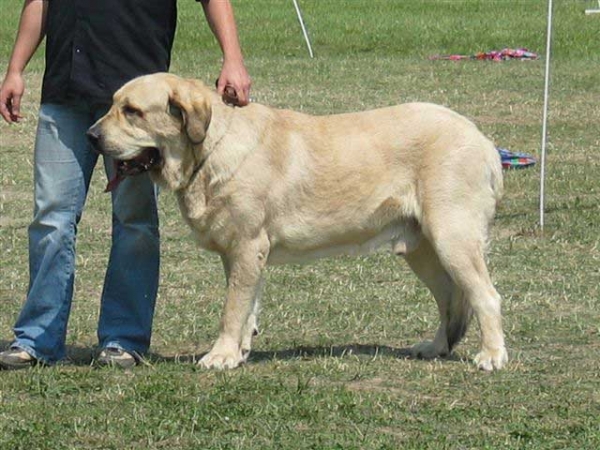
x=63 y=167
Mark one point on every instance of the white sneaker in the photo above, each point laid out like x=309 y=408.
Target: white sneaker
x=116 y=357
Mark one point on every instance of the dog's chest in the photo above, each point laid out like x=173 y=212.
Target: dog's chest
x=209 y=221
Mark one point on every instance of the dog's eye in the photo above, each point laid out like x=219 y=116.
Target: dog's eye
x=129 y=110
x=175 y=111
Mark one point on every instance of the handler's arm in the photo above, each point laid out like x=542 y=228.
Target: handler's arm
x=32 y=29
x=219 y=14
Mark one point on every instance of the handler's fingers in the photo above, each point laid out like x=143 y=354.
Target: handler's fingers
x=10 y=106
x=235 y=93
x=15 y=109
x=4 y=107
x=243 y=95
x=230 y=95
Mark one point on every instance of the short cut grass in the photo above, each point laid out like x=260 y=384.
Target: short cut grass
x=329 y=370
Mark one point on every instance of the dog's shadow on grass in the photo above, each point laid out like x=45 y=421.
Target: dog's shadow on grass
x=309 y=353
x=334 y=351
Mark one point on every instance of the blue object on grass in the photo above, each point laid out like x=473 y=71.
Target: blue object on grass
x=511 y=160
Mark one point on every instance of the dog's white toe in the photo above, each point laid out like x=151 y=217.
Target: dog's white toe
x=489 y=360
x=221 y=360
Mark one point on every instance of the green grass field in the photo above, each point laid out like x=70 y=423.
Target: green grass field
x=329 y=370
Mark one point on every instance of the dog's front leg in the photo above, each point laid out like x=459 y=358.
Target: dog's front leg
x=243 y=268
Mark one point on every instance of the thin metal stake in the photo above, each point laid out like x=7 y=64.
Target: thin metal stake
x=299 y=13
x=545 y=114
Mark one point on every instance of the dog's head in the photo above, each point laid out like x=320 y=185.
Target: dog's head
x=157 y=123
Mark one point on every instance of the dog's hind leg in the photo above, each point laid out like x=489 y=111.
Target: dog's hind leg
x=243 y=268
x=453 y=310
x=459 y=243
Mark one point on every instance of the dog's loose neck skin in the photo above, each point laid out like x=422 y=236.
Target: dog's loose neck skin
x=217 y=159
x=221 y=151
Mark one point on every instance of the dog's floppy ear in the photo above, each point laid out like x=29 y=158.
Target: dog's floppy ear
x=191 y=101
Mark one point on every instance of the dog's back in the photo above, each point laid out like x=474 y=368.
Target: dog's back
x=349 y=183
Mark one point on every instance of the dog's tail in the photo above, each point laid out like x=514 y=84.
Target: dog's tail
x=493 y=170
x=496 y=178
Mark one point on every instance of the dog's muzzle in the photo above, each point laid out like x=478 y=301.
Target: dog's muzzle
x=95 y=139
x=147 y=159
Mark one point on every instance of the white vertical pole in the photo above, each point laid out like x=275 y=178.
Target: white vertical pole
x=545 y=114
x=299 y=14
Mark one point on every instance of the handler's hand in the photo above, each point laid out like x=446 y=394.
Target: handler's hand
x=234 y=75
x=11 y=92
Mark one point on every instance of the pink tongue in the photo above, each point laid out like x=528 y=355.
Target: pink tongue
x=113 y=183
x=115 y=180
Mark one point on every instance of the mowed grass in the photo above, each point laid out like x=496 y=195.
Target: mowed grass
x=330 y=368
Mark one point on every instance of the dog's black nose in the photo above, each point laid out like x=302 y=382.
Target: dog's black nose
x=94 y=139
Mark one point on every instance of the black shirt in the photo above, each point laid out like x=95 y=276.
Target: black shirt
x=93 y=47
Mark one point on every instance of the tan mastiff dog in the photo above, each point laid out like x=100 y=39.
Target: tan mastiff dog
x=263 y=186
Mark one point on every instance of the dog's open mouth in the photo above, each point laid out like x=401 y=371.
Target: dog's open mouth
x=145 y=161
x=148 y=159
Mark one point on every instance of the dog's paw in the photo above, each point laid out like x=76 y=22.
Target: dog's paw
x=225 y=354
x=428 y=350
x=489 y=360
x=221 y=360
